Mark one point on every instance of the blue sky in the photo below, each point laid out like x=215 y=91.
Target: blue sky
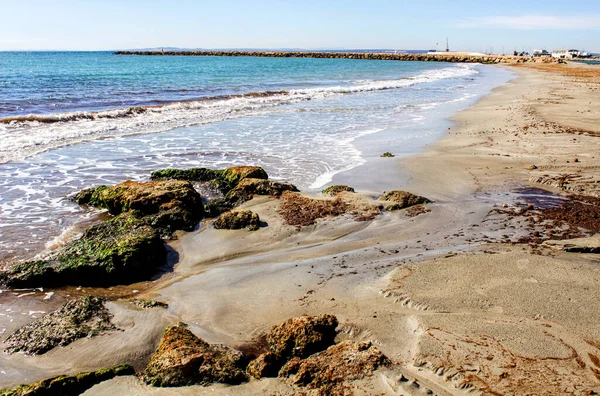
x=470 y=25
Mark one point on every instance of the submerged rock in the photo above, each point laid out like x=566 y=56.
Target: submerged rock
x=119 y=251
x=402 y=199
x=302 y=336
x=335 y=190
x=238 y=219
x=72 y=385
x=83 y=317
x=265 y=365
x=182 y=359
x=222 y=179
x=167 y=205
x=327 y=371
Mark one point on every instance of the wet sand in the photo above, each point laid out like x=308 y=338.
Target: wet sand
x=446 y=295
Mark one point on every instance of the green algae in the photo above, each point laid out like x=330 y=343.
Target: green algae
x=223 y=180
x=71 y=385
x=83 y=317
x=121 y=250
x=334 y=190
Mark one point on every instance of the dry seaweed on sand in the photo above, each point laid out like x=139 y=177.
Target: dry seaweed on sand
x=298 y=210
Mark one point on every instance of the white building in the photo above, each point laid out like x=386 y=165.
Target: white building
x=565 y=54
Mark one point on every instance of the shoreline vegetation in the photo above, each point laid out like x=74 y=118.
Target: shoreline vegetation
x=486 y=282
x=438 y=57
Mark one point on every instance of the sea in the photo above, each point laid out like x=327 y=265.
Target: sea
x=72 y=120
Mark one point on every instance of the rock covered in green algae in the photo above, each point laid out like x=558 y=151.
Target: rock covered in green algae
x=72 y=385
x=83 y=317
x=167 y=205
x=327 y=371
x=121 y=250
x=265 y=365
x=182 y=359
x=335 y=190
x=222 y=179
x=238 y=184
x=249 y=187
x=150 y=304
x=245 y=191
x=238 y=219
x=402 y=199
x=216 y=207
x=302 y=336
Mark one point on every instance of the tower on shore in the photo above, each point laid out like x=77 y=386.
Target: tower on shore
x=447 y=46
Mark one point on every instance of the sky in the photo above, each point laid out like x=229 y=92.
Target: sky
x=485 y=26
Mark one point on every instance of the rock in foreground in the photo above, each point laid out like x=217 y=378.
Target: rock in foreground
x=265 y=365
x=247 y=188
x=239 y=219
x=302 y=336
x=402 y=199
x=119 y=251
x=182 y=359
x=327 y=371
x=83 y=317
x=69 y=385
x=167 y=205
x=221 y=179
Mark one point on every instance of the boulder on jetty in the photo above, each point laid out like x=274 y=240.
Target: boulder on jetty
x=119 y=251
x=83 y=317
x=327 y=371
x=337 y=189
x=182 y=359
x=302 y=336
x=238 y=219
x=72 y=385
x=402 y=199
x=166 y=205
x=223 y=180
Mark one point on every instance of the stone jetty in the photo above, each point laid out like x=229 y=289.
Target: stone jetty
x=439 y=57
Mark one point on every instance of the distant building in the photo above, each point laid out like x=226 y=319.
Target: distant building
x=565 y=54
x=541 y=53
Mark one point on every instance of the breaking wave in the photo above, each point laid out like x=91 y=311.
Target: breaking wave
x=22 y=136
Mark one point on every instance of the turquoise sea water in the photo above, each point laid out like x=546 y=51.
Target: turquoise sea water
x=75 y=120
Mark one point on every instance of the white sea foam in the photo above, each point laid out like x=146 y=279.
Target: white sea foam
x=23 y=136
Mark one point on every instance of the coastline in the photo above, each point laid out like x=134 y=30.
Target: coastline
x=425 y=289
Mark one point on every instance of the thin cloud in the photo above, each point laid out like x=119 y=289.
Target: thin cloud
x=533 y=22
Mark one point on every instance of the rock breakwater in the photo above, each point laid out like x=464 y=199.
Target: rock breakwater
x=441 y=57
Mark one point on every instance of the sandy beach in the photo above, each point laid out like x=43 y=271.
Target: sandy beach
x=462 y=298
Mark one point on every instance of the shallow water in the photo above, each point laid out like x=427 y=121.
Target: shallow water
x=353 y=111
